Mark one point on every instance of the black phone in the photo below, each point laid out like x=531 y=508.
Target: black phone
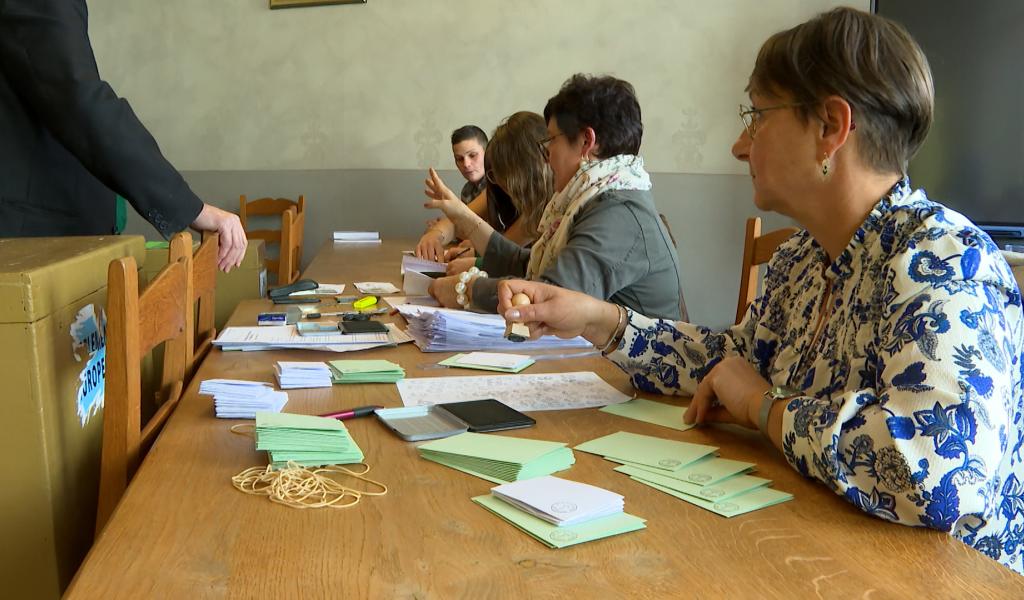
x=363 y=327
x=488 y=415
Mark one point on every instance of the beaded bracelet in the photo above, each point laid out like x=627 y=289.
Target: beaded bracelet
x=466 y=279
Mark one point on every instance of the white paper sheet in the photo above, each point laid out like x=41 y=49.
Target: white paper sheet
x=547 y=391
x=415 y=283
x=376 y=287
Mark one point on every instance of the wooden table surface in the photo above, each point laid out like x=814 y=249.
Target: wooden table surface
x=183 y=531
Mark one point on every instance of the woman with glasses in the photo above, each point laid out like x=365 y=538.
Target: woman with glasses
x=884 y=357
x=600 y=233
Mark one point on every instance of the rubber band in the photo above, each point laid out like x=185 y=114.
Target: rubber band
x=297 y=486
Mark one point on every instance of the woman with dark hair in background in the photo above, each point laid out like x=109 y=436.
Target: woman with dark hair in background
x=600 y=233
x=885 y=357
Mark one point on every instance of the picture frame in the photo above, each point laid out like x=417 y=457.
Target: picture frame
x=275 y=4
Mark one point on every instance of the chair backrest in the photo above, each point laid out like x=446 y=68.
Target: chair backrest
x=292 y=226
x=204 y=296
x=267 y=207
x=136 y=323
x=758 y=249
x=1016 y=262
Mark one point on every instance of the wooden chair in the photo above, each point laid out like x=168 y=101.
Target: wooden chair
x=136 y=323
x=292 y=226
x=268 y=207
x=757 y=250
x=204 y=296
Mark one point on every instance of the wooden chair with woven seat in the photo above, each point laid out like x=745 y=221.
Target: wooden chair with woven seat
x=292 y=225
x=758 y=249
x=268 y=207
x=136 y=323
x=204 y=296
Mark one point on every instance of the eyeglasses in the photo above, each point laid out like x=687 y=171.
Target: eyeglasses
x=752 y=116
x=544 y=143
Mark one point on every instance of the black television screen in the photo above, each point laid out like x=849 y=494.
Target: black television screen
x=973 y=159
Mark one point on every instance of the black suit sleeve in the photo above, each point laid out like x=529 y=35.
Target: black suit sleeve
x=46 y=53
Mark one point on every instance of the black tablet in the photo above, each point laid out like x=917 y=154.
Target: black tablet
x=363 y=327
x=488 y=415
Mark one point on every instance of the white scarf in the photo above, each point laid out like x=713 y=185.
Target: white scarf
x=621 y=172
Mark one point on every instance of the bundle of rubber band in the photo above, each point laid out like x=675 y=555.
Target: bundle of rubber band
x=303 y=487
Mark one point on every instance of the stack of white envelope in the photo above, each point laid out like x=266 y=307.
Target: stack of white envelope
x=299 y=374
x=236 y=399
x=560 y=501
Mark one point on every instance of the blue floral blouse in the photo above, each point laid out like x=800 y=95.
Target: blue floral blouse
x=912 y=395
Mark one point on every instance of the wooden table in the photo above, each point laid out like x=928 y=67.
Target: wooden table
x=182 y=530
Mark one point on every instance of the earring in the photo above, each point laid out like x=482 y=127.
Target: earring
x=585 y=162
x=826 y=166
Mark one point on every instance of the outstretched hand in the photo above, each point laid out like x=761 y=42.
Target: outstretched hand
x=557 y=311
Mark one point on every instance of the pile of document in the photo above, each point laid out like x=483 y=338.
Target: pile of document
x=365 y=237
x=295 y=374
x=690 y=472
x=236 y=399
x=498 y=458
x=365 y=371
x=448 y=330
x=286 y=336
x=554 y=536
x=489 y=361
x=304 y=439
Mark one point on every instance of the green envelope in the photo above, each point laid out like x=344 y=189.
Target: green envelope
x=453 y=361
x=705 y=471
x=561 y=537
x=650 y=412
x=498 y=458
x=756 y=499
x=666 y=455
x=305 y=439
x=722 y=490
x=365 y=371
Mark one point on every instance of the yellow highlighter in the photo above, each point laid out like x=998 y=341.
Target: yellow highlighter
x=364 y=302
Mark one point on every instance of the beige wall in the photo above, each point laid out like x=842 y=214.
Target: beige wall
x=232 y=85
x=349 y=104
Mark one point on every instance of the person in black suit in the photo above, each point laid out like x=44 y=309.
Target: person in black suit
x=69 y=145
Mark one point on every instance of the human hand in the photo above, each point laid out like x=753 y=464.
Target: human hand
x=461 y=264
x=431 y=246
x=442 y=198
x=463 y=248
x=232 y=237
x=739 y=390
x=558 y=311
x=443 y=290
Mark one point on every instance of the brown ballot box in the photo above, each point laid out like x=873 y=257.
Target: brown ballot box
x=52 y=351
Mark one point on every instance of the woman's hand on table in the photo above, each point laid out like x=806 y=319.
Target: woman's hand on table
x=558 y=311
x=463 y=249
x=732 y=392
x=460 y=264
x=443 y=290
x=431 y=246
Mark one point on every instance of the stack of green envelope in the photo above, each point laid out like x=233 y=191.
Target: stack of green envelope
x=690 y=472
x=498 y=458
x=365 y=371
x=307 y=440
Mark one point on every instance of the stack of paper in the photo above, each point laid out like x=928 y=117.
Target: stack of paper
x=417 y=274
x=295 y=374
x=236 y=399
x=690 y=472
x=308 y=440
x=366 y=237
x=560 y=501
x=365 y=371
x=489 y=361
x=498 y=458
x=449 y=330
x=561 y=537
x=546 y=391
x=286 y=336
x=376 y=287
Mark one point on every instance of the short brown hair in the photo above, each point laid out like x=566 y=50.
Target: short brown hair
x=514 y=157
x=869 y=61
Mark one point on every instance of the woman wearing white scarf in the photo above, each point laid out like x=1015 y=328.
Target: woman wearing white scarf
x=600 y=233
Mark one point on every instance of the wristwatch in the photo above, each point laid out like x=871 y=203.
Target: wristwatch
x=771 y=396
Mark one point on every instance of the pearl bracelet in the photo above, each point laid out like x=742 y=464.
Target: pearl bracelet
x=466 y=279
